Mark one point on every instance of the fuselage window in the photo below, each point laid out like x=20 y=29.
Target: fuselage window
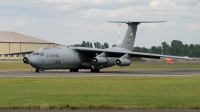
x=37 y=53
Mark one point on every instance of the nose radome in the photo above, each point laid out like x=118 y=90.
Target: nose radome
x=33 y=61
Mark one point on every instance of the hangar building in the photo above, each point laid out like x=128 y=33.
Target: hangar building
x=16 y=42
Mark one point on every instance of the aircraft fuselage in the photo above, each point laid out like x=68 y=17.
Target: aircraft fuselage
x=55 y=58
x=65 y=58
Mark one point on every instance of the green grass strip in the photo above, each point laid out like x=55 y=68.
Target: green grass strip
x=116 y=92
x=14 y=66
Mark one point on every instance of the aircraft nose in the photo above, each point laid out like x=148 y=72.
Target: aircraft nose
x=33 y=61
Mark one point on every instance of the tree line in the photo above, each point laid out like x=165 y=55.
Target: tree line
x=90 y=45
x=177 y=48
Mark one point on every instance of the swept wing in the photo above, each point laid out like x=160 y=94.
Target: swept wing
x=116 y=52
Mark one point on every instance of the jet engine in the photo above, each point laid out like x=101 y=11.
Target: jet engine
x=99 y=60
x=25 y=60
x=123 y=62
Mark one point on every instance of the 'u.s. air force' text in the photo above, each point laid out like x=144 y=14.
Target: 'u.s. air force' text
x=52 y=55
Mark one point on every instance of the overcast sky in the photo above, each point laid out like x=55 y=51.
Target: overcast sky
x=72 y=21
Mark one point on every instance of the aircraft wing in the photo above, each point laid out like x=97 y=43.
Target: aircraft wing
x=155 y=56
x=119 y=53
x=14 y=53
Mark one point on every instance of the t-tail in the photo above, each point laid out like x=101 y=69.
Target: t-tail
x=129 y=38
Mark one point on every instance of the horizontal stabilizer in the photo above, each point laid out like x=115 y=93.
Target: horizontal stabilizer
x=136 y=22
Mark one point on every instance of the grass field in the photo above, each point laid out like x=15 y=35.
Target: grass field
x=134 y=65
x=152 y=92
x=14 y=66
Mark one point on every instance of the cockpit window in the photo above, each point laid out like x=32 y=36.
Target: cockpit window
x=41 y=54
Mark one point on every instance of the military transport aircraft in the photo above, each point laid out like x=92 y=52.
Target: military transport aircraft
x=75 y=58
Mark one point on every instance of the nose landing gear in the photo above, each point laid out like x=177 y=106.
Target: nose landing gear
x=73 y=70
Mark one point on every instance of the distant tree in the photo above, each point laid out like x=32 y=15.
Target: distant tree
x=91 y=45
x=137 y=49
x=149 y=50
x=102 y=47
x=192 y=51
x=87 y=44
x=177 y=47
x=98 y=45
x=165 y=48
x=106 y=45
x=197 y=50
x=114 y=45
x=153 y=49
x=144 y=49
x=95 y=44
x=83 y=44
x=186 y=50
x=159 y=50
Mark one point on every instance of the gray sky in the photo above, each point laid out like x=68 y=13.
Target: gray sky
x=72 y=21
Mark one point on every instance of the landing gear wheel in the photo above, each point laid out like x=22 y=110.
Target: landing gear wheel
x=95 y=70
x=37 y=70
x=73 y=70
x=76 y=70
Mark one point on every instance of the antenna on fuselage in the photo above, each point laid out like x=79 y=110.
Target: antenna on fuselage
x=119 y=33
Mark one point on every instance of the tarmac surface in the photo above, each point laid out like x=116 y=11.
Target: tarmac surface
x=63 y=73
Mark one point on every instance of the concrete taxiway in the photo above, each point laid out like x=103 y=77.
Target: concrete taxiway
x=51 y=73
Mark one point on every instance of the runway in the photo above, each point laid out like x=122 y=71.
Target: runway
x=64 y=73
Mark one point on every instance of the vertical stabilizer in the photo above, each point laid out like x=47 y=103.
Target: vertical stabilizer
x=129 y=39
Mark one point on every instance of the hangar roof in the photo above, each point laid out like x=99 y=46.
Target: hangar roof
x=6 y=36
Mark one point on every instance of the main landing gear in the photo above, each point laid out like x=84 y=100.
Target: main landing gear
x=37 y=70
x=95 y=70
x=73 y=70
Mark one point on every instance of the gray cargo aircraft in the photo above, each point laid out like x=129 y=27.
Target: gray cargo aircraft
x=75 y=58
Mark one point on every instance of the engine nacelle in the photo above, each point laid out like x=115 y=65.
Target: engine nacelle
x=99 y=60
x=123 y=62
x=25 y=60
x=111 y=62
